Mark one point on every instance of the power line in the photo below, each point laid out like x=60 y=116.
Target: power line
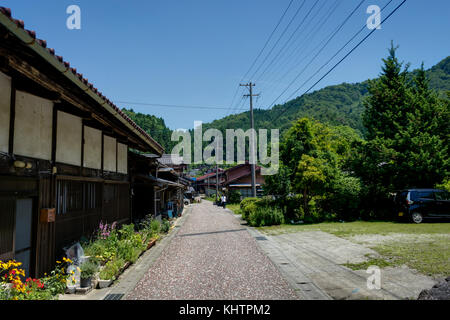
x=171 y=105
x=268 y=40
x=260 y=53
x=340 y=61
x=288 y=41
x=279 y=38
x=321 y=49
x=304 y=45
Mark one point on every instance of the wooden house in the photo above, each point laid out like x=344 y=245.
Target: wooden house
x=64 y=152
x=239 y=178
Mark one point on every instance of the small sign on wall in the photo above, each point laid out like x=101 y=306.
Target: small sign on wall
x=47 y=215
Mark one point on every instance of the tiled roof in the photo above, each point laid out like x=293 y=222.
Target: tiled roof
x=20 y=24
x=170 y=159
x=211 y=174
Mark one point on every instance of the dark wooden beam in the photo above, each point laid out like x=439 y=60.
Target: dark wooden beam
x=82 y=150
x=103 y=153
x=54 y=133
x=31 y=87
x=67 y=108
x=12 y=117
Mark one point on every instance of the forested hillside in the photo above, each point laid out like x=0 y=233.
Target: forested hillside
x=154 y=126
x=336 y=105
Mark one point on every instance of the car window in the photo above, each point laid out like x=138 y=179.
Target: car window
x=401 y=196
x=425 y=195
x=442 y=195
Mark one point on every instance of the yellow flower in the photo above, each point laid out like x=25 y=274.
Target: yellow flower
x=67 y=260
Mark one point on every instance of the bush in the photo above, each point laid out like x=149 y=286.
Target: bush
x=266 y=216
x=111 y=269
x=248 y=210
x=155 y=227
x=234 y=196
x=445 y=185
x=165 y=226
x=344 y=200
x=247 y=201
x=88 y=269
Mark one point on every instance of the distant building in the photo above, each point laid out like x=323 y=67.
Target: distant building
x=206 y=184
x=174 y=161
x=239 y=178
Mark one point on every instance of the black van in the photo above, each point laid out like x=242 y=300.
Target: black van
x=417 y=204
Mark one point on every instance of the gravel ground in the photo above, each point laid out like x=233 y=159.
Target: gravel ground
x=212 y=257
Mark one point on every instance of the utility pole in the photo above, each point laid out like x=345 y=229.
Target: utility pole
x=217 y=183
x=253 y=138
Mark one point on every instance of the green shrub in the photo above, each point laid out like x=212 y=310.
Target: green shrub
x=165 y=226
x=266 y=216
x=445 y=185
x=234 y=196
x=126 y=232
x=247 y=201
x=249 y=209
x=344 y=199
x=155 y=227
x=111 y=269
x=88 y=269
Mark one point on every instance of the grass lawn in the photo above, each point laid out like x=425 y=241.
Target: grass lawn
x=424 y=247
x=343 y=229
x=235 y=207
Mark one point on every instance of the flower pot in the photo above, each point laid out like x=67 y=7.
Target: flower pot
x=151 y=243
x=85 y=283
x=104 y=283
x=71 y=289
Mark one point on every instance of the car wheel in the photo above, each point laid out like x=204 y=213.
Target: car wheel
x=417 y=217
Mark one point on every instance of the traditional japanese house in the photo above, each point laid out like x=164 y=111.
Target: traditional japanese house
x=174 y=161
x=171 y=200
x=206 y=184
x=239 y=178
x=64 y=151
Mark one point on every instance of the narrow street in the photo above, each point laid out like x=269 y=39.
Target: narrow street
x=212 y=256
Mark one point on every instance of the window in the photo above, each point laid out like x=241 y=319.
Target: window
x=425 y=195
x=442 y=195
x=93 y=195
x=69 y=196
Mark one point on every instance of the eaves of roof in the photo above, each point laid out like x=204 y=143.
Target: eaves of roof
x=17 y=28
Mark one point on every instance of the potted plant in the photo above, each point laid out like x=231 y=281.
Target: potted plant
x=88 y=270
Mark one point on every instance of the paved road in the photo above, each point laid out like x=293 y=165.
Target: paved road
x=313 y=263
x=212 y=257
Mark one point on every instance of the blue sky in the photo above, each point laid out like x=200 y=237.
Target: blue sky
x=195 y=52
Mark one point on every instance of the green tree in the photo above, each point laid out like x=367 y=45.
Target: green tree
x=407 y=127
x=313 y=156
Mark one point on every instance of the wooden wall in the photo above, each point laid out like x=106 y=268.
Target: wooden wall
x=45 y=235
x=78 y=169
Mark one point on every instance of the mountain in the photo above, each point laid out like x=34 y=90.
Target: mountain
x=337 y=105
x=155 y=127
x=439 y=75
